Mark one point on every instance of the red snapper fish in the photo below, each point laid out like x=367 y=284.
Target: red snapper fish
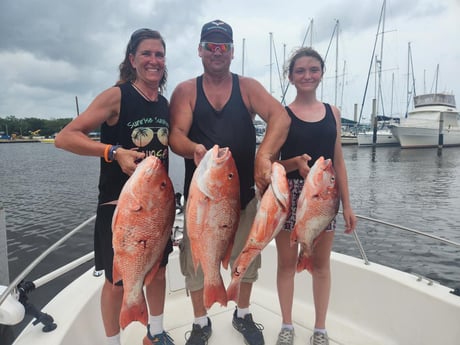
x=317 y=206
x=141 y=226
x=272 y=212
x=212 y=215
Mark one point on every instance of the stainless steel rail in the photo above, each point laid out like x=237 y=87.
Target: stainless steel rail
x=77 y=262
x=392 y=225
x=39 y=259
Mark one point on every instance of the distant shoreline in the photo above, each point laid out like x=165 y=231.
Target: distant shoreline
x=14 y=141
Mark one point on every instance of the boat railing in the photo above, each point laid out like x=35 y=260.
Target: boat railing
x=64 y=269
x=406 y=229
x=13 y=285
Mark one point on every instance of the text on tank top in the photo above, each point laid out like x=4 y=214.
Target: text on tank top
x=141 y=124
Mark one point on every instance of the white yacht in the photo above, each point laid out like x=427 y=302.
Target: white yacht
x=433 y=122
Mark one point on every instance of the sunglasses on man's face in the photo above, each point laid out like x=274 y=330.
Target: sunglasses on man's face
x=212 y=47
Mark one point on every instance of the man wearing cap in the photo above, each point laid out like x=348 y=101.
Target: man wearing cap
x=219 y=107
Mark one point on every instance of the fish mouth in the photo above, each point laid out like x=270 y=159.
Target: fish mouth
x=324 y=164
x=152 y=163
x=221 y=154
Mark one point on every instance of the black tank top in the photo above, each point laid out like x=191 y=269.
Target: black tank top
x=142 y=124
x=313 y=138
x=230 y=127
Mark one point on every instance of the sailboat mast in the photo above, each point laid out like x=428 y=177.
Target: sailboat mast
x=76 y=104
x=371 y=64
x=243 y=56
x=271 y=63
x=336 y=60
x=379 y=63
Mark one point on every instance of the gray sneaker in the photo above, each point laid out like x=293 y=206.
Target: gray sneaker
x=285 y=337
x=319 y=338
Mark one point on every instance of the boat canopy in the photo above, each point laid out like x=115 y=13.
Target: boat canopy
x=434 y=99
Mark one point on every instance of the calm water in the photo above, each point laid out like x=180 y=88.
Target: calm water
x=47 y=192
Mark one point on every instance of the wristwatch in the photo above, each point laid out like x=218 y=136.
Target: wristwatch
x=113 y=152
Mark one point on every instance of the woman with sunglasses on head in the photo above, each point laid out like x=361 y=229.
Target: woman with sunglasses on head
x=128 y=114
x=218 y=107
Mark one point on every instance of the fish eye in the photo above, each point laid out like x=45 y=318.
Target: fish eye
x=230 y=176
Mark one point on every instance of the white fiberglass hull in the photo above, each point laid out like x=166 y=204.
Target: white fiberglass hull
x=383 y=138
x=370 y=304
x=413 y=137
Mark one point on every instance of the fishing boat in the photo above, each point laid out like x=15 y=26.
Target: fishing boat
x=433 y=122
x=370 y=304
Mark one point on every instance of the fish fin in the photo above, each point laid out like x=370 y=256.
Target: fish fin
x=135 y=312
x=304 y=263
x=215 y=293
x=233 y=290
x=151 y=274
x=135 y=206
x=228 y=254
x=113 y=202
x=116 y=276
x=194 y=252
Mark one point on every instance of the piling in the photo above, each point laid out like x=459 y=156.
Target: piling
x=4 y=272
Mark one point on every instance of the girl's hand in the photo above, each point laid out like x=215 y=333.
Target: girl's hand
x=302 y=164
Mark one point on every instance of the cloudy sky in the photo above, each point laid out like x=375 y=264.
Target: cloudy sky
x=54 y=50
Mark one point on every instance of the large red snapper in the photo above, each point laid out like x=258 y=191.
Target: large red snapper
x=141 y=226
x=272 y=212
x=317 y=206
x=212 y=215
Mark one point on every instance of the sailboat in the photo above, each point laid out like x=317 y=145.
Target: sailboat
x=379 y=134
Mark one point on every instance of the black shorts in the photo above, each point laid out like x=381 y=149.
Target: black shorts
x=103 y=250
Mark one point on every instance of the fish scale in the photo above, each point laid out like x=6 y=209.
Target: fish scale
x=212 y=217
x=272 y=212
x=141 y=225
x=317 y=206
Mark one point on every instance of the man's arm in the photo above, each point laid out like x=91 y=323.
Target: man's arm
x=260 y=102
x=181 y=111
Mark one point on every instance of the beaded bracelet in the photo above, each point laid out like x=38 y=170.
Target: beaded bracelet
x=106 y=153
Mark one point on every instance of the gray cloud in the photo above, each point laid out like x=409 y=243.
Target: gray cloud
x=54 y=50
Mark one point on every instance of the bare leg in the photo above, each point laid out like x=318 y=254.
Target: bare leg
x=287 y=259
x=156 y=293
x=322 y=277
x=198 y=303
x=245 y=295
x=111 y=299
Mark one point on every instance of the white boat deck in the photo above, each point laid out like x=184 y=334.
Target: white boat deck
x=370 y=305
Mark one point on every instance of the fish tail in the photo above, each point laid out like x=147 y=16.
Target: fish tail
x=233 y=290
x=215 y=293
x=134 y=312
x=304 y=263
x=151 y=275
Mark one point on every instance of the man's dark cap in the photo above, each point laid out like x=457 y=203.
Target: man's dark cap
x=217 y=31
